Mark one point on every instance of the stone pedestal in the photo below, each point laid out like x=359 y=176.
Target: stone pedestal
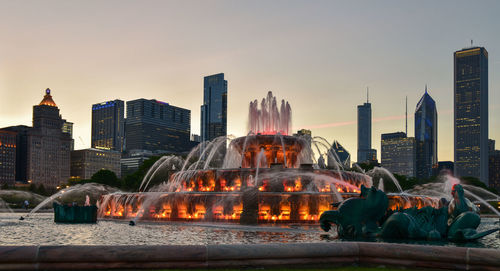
x=250 y=214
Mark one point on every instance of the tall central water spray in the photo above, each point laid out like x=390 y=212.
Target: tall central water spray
x=270 y=119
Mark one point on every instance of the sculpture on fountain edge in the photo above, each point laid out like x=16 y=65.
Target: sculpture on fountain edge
x=360 y=218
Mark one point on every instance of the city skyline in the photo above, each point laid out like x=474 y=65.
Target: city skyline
x=84 y=65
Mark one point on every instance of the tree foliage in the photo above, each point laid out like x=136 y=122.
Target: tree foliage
x=106 y=177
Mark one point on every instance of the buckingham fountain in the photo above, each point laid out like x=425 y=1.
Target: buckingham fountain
x=268 y=176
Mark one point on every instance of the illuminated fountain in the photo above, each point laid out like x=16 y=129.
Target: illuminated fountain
x=266 y=176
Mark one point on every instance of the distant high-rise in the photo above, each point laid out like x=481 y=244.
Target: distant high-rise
x=157 y=126
x=7 y=157
x=67 y=128
x=22 y=136
x=108 y=125
x=214 y=108
x=471 y=112
x=342 y=154
x=306 y=154
x=425 y=136
x=47 y=147
x=398 y=153
x=365 y=151
x=494 y=170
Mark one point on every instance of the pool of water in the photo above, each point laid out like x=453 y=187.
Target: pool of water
x=40 y=229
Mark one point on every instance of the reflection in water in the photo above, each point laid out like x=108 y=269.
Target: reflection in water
x=41 y=230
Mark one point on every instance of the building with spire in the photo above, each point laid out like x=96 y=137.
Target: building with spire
x=365 y=152
x=471 y=113
x=43 y=151
x=48 y=146
x=425 y=137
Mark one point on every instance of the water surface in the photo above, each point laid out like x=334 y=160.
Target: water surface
x=40 y=229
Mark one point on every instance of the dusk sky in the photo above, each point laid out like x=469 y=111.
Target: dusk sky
x=318 y=55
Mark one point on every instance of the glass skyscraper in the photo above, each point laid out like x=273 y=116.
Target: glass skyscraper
x=157 y=126
x=214 y=108
x=425 y=136
x=471 y=112
x=365 y=151
x=108 y=125
x=397 y=153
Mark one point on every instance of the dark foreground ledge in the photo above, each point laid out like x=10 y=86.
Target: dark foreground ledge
x=236 y=256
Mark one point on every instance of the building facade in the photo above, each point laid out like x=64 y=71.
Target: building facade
x=471 y=113
x=22 y=135
x=398 y=153
x=134 y=159
x=108 y=125
x=48 y=148
x=365 y=152
x=86 y=162
x=214 y=108
x=341 y=153
x=494 y=170
x=305 y=155
x=157 y=126
x=447 y=166
x=426 y=137
x=7 y=157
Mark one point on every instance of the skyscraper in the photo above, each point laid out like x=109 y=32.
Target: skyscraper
x=157 y=126
x=214 y=108
x=471 y=112
x=7 y=157
x=426 y=136
x=49 y=147
x=398 y=153
x=365 y=151
x=108 y=125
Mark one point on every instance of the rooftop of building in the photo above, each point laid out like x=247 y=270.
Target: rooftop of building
x=47 y=99
x=425 y=100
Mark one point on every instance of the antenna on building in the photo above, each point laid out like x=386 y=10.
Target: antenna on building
x=471 y=42
x=367 y=95
x=406 y=117
x=425 y=88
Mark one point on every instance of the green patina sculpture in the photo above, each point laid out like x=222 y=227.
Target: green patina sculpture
x=361 y=217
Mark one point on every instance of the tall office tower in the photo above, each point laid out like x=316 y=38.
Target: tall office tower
x=365 y=151
x=157 y=126
x=426 y=136
x=398 y=153
x=471 y=113
x=108 y=125
x=48 y=147
x=7 y=157
x=214 y=108
x=342 y=154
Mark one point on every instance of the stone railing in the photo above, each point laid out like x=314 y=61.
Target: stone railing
x=237 y=256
